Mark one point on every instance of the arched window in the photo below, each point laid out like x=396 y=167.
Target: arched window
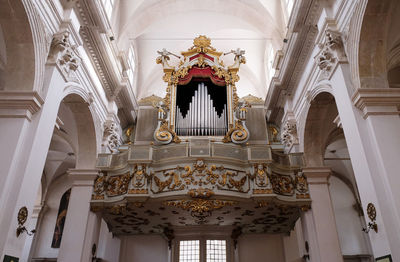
x=108 y=7
x=289 y=6
x=62 y=214
x=270 y=62
x=131 y=63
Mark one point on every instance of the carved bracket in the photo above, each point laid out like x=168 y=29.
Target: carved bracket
x=111 y=137
x=332 y=52
x=65 y=55
x=289 y=135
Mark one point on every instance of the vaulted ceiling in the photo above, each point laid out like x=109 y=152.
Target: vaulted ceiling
x=150 y=25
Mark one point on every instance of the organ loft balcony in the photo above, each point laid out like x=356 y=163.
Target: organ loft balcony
x=201 y=157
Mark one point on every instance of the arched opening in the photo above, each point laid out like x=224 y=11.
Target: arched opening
x=379 y=43
x=73 y=145
x=325 y=145
x=319 y=124
x=17 y=53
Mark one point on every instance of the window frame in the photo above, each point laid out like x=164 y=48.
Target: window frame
x=131 y=62
x=108 y=6
x=203 y=245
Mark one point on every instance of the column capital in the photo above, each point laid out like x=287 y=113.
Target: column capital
x=377 y=101
x=317 y=175
x=82 y=177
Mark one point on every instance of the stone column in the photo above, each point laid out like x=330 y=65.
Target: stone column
x=371 y=127
x=81 y=226
x=26 y=128
x=367 y=133
x=323 y=214
x=309 y=234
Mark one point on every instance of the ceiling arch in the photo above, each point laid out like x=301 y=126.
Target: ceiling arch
x=151 y=25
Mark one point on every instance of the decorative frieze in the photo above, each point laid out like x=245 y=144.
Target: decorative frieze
x=200 y=174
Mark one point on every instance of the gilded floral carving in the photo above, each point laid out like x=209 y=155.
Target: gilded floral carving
x=200 y=175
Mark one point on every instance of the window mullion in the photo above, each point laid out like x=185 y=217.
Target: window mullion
x=202 y=250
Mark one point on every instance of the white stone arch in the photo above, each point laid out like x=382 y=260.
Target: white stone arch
x=25 y=42
x=322 y=87
x=81 y=104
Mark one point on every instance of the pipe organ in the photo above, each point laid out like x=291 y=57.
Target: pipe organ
x=201 y=97
x=146 y=187
x=201 y=119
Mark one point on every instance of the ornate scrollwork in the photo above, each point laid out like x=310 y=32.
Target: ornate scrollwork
x=282 y=184
x=237 y=133
x=332 y=52
x=99 y=187
x=301 y=183
x=111 y=137
x=118 y=185
x=200 y=52
x=164 y=133
x=260 y=176
x=289 y=135
x=200 y=175
x=139 y=176
x=64 y=54
x=200 y=208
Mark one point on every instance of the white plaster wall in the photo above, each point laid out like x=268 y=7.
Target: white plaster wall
x=108 y=247
x=46 y=227
x=352 y=240
x=143 y=249
x=261 y=248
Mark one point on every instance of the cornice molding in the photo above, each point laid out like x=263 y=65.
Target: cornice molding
x=377 y=101
x=19 y=104
x=296 y=52
x=82 y=177
x=317 y=175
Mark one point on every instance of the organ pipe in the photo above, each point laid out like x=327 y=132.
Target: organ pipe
x=201 y=118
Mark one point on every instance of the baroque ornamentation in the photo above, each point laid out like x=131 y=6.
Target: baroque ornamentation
x=139 y=176
x=200 y=175
x=117 y=185
x=238 y=133
x=289 y=135
x=200 y=208
x=282 y=184
x=261 y=176
x=111 y=138
x=301 y=183
x=150 y=100
x=200 y=55
x=332 y=52
x=250 y=99
x=164 y=133
x=64 y=54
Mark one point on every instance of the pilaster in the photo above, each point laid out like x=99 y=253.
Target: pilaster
x=371 y=126
x=323 y=214
x=80 y=231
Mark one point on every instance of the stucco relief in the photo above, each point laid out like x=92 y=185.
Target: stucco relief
x=289 y=134
x=331 y=53
x=64 y=54
x=111 y=137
